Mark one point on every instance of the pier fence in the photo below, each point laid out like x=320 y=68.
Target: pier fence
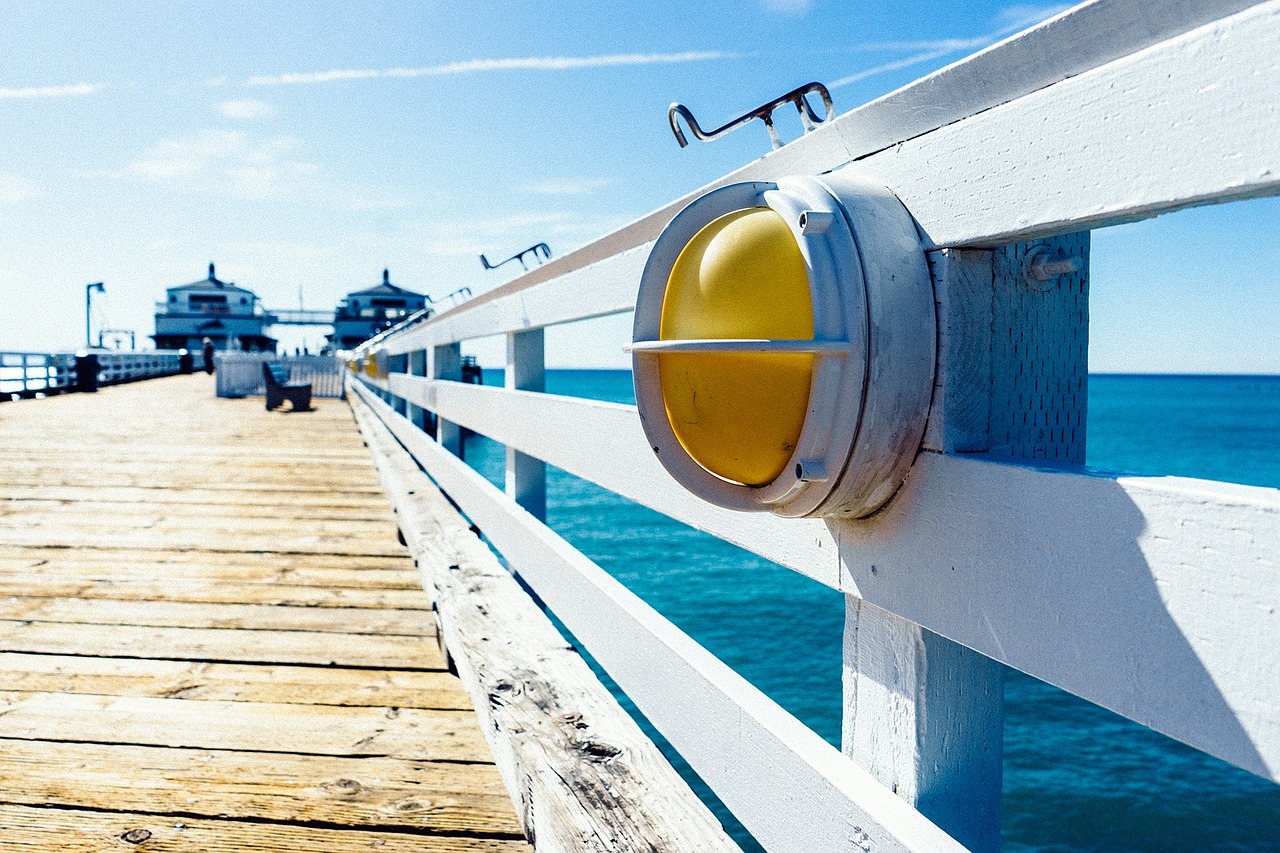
x=239 y=374
x=27 y=374
x=1155 y=597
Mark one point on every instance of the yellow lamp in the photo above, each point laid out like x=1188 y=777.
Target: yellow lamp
x=783 y=353
x=739 y=415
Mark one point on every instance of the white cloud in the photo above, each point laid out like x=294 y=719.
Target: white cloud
x=239 y=163
x=1023 y=15
x=236 y=164
x=578 y=186
x=246 y=110
x=15 y=190
x=885 y=67
x=42 y=92
x=1012 y=18
x=472 y=66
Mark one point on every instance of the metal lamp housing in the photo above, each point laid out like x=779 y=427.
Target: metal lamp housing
x=873 y=346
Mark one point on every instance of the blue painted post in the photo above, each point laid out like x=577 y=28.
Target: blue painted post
x=446 y=363
x=923 y=714
x=526 y=371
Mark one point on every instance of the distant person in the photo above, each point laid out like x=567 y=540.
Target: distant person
x=207 y=348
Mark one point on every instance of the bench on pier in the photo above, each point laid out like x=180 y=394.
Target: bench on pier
x=279 y=388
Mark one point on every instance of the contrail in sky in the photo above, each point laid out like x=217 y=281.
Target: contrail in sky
x=527 y=63
x=32 y=92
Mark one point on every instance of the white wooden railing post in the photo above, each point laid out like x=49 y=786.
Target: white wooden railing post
x=921 y=713
x=526 y=371
x=446 y=363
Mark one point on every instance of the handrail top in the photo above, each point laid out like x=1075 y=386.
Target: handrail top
x=1077 y=40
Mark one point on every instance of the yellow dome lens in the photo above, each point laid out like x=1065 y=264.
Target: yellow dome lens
x=739 y=415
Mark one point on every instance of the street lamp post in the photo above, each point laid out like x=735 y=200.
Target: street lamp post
x=88 y=299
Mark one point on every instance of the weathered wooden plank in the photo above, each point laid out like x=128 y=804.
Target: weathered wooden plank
x=124 y=476
x=411 y=733
x=266 y=564
x=791 y=789
x=419 y=796
x=193 y=538
x=259 y=646
x=16 y=512
x=278 y=736
x=408 y=623
x=72 y=831
x=583 y=774
x=198 y=499
x=211 y=592
x=292 y=684
x=160 y=519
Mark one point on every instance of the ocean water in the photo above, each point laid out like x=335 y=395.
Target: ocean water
x=1076 y=777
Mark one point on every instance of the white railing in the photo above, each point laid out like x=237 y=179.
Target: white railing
x=1156 y=597
x=23 y=374
x=239 y=374
x=29 y=374
x=117 y=367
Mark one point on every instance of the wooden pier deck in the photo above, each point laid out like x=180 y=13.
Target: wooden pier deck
x=210 y=638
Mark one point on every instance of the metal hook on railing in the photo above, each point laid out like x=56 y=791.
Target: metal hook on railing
x=764 y=112
x=458 y=296
x=538 y=250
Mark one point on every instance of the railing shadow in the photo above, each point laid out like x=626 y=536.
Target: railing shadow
x=1005 y=567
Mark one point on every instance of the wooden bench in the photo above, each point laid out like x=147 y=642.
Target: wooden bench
x=279 y=388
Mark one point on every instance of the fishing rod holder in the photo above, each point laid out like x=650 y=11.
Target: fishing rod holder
x=764 y=112
x=540 y=252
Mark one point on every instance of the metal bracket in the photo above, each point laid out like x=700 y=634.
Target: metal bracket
x=763 y=112
x=539 y=251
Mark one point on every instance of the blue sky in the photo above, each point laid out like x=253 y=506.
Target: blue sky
x=304 y=147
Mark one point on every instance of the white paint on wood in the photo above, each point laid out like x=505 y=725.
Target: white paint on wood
x=1156 y=597
x=1190 y=121
x=925 y=716
x=1185 y=121
x=790 y=788
x=595 y=290
x=604 y=443
x=581 y=773
x=1035 y=551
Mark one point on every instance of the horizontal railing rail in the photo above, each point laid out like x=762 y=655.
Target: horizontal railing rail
x=115 y=368
x=24 y=374
x=1152 y=596
x=32 y=374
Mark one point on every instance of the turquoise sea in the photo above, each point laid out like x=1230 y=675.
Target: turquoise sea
x=1076 y=777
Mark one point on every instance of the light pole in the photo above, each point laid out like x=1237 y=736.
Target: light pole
x=88 y=300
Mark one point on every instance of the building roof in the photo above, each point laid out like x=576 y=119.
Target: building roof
x=386 y=288
x=212 y=281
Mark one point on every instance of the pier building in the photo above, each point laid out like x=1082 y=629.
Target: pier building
x=365 y=313
x=230 y=316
